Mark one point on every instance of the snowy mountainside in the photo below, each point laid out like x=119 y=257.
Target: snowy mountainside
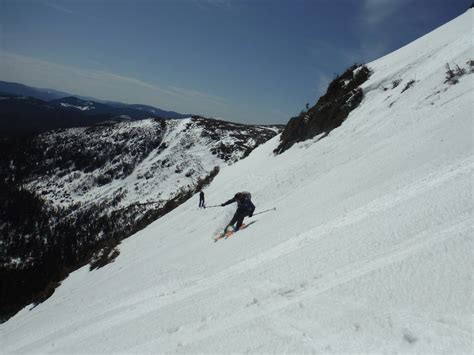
x=88 y=188
x=143 y=161
x=78 y=104
x=369 y=249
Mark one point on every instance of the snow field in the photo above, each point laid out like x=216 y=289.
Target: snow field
x=369 y=250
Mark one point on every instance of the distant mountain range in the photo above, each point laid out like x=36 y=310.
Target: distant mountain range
x=25 y=109
x=118 y=110
x=24 y=90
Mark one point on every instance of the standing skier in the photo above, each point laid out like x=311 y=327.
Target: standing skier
x=245 y=208
x=201 y=200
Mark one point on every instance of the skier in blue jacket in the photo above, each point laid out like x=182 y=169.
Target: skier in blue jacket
x=245 y=208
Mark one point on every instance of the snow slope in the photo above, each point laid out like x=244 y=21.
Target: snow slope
x=369 y=250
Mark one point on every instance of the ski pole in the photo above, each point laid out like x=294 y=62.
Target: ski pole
x=271 y=209
x=213 y=206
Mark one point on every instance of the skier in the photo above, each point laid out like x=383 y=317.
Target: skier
x=201 y=200
x=245 y=208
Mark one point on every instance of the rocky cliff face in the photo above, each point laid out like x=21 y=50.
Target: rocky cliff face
x=343 y=95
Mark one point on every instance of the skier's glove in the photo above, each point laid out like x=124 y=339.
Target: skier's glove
x=250 y=215
x=222 y=204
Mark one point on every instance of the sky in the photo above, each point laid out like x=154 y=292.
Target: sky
x=249 y=61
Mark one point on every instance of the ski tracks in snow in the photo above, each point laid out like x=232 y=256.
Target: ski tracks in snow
x=116 y=320
x=325 y=283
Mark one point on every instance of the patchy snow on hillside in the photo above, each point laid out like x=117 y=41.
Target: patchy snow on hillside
x=140 y=161
x=81 y=108
x=369 y=249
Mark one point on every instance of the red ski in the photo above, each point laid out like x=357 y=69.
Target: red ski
x=231 y=232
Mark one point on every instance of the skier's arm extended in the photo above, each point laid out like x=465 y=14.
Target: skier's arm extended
x=232 y=200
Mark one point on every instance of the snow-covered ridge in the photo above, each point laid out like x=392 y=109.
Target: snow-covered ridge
x=81 y=108
x=369 y=249
x=146 y=160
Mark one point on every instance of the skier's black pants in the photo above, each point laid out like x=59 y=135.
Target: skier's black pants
x=201 y=202
x=238 y=218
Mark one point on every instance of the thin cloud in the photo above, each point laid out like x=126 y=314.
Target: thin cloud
x=106 y=86
x=222 y=4
x=376 y=11
x=366 y=51
x=65 y=10
x=94 y=62
x=55 y=6
x=201 y=95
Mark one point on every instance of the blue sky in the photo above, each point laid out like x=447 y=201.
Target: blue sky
x=251 y=61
